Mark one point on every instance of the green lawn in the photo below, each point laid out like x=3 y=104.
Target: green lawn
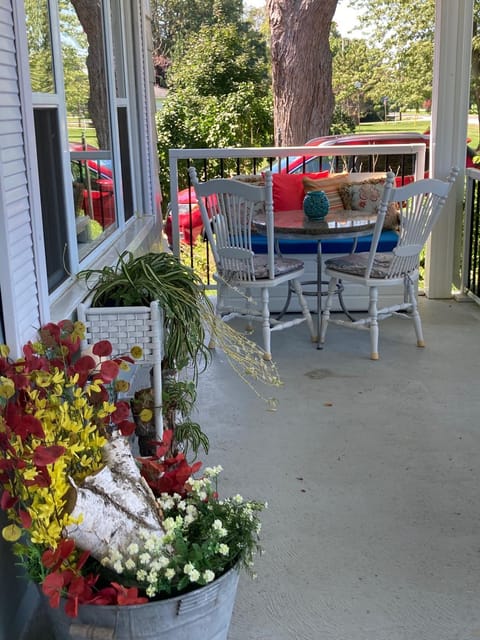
x=411 y=123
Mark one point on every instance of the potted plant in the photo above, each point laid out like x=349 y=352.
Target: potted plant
x=178 y=398
x=167 y=542
x=188 y=316
x=137 y=281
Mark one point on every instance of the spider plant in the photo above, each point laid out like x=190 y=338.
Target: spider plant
x=134 y=281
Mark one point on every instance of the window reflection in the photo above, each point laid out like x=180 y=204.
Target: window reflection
x=39 y=46
x=82 y=42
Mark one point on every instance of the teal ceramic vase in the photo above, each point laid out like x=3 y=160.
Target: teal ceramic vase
x=315 y=205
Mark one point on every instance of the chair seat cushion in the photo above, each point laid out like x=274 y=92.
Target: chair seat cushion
x=356 y=264
x=282 y=266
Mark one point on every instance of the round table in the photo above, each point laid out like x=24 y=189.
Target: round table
x=337 y=224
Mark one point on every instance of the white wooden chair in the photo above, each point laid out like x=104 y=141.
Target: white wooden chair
x=228 y=207
x=419 y=205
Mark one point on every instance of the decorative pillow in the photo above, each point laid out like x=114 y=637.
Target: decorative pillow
x=288 y=189
x=330 y=186
x=366 y=196
x=256 y=179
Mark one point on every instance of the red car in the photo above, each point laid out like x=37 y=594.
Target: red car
x=190 y=219
x=93 y=189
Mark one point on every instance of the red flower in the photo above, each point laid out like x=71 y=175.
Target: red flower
x=128 y=595
x=47 y=455
x=103 y=348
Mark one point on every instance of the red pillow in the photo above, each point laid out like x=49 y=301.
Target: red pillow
x=288 y=191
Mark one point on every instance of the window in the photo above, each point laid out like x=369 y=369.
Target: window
x=81 y=114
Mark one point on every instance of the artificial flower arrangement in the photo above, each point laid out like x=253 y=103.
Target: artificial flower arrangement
x=66 y=462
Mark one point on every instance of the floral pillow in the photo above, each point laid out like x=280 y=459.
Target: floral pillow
x=366 y=196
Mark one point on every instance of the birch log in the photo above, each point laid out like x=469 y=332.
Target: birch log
x=115 y=505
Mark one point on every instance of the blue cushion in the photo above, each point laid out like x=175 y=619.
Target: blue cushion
x=387 y=242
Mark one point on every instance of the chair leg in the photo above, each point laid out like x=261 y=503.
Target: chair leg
x=248 y=307
x=218 y=314
x=332 y=288
x=305 y=310
x=373 y=322
x=266 y=325
x=417 y=322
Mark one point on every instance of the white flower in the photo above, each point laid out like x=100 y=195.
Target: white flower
x=188 y=568
x=145 y=558
x=213 y=472
x=141 y=575
x=168 y=503
x=189 y=519
x=130 y=564
x=169 y=573
x=169 y=524
x=117 y=566
x=132 y=549
x=223 y=549
x=208 y=575
x=217 y=525
x=191 y=510
x=150 y=591
x=194 y=575
x=152 y=577
x=238 y=499
x=150 y=543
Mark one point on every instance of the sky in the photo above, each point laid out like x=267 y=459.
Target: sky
x=345 y=16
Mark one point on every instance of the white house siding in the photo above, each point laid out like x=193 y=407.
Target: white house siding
x=17 y=263
x=17 y=274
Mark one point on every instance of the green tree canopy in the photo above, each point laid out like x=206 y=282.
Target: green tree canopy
x=396 y=61
x=173 y=21
x=219 y=92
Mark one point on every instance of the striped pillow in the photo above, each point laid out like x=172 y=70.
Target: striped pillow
x=330 y=186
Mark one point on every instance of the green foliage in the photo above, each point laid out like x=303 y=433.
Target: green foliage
x=174 y=20
x=219 y=94
x=342 y=122
x=396 y=61
x=216 y=59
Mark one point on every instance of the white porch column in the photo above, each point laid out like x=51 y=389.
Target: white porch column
x=450 y=101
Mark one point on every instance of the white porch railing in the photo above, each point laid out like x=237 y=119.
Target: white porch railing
x=470 y=266
x=358 y=158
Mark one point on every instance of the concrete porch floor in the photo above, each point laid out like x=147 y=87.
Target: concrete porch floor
x=371 y=473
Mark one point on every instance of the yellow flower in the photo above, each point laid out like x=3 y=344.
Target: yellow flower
x=78 y=330
x=146 y=415
x=4 y=350
x=136 y=352
x=7 y=388
x=121 y=386
x=42 y=378
x=11 y=533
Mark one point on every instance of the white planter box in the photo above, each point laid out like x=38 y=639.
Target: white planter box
x=126 y=327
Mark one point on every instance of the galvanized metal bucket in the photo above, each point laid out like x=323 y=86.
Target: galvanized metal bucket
x=204 y=613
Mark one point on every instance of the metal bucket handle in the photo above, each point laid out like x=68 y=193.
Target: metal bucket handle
x=91 y=632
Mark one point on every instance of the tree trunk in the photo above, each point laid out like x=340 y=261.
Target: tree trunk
x=89 y=13
x=115 y=504
x=301 y=68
